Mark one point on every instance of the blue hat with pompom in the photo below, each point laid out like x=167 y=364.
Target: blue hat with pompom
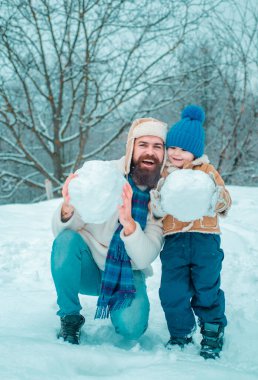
x=188 y=133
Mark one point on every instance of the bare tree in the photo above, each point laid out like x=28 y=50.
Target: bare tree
x=219 y=71
x=237 y=68
x=73 y=74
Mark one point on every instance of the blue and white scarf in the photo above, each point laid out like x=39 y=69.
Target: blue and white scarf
x=117 y=287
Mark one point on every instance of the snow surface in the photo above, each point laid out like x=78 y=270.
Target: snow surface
x=29 y=349
x=187 y=194
x=97 y=191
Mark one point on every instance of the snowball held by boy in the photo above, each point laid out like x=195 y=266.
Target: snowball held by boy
x=187 y=194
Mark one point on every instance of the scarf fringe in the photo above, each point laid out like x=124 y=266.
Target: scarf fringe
x=103 y=312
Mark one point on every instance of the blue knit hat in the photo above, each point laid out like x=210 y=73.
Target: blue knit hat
x=188 y=133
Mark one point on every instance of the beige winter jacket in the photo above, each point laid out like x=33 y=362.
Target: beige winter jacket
x=207 y=224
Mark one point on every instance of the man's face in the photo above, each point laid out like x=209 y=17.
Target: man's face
x=148 y=155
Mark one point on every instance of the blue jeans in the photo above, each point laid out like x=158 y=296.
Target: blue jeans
x=74 y=271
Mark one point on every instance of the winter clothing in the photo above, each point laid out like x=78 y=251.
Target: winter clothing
x=141 y=246
x=212 y=342
x=71 y=328
x=74 y=271
x=118 y=277
x=191 y=265
x=191 y=256
x=188 y=133
x=207 y=224
x=80 y=251
x=178 y=341
x=143 y=127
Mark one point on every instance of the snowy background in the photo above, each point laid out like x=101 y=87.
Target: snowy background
x=29 y=349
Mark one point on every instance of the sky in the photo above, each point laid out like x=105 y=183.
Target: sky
x=29 y=348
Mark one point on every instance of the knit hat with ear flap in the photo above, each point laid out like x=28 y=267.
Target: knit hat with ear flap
x=188 y=133
x=143 y=127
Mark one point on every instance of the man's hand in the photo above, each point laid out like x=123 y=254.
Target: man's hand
x=65 y=192
x=67 y=210
x=125 y=211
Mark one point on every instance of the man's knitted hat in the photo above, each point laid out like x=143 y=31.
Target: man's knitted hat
x=188 y=133
x=143 y=127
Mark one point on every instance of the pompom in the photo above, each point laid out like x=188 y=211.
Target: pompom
x=193 y=113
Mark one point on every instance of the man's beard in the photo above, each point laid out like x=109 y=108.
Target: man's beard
x=146 y=177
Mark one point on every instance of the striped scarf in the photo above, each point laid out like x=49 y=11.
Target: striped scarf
x=117 y=287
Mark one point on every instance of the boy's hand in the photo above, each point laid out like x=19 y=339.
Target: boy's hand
x=160 y=184
x=155 y=203
x=214 y=200
x=125 y=211
x=216 y=196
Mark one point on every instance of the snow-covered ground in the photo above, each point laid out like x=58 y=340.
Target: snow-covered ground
x=29 y=349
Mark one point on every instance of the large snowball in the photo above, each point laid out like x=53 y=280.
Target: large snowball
x=186 y=194
x=96 y=192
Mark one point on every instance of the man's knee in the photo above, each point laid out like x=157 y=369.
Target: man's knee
x=131 y=333
x=132 y=321
x=65 y=245
x=66 y=237
x=130 y=330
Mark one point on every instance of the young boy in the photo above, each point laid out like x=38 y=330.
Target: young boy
x=192 y=257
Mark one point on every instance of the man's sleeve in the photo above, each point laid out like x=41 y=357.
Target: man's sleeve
x=144 y=246
x=74 y=223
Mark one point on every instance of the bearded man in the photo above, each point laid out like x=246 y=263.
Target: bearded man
x=111 y=260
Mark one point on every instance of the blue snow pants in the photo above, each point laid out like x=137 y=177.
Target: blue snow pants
x=74 y=271
x=190 y=282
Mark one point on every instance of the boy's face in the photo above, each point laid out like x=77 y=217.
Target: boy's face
x=179 y=157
